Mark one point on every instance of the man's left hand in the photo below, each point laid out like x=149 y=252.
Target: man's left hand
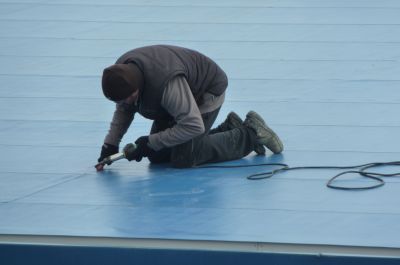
x=142 y=149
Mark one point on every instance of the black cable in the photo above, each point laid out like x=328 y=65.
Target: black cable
x=361 y=171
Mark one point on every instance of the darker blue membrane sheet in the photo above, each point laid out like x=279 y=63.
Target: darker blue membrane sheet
x=84 y=255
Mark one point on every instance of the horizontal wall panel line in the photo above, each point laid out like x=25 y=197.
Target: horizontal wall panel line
x=373 y=102
x=261 y=79
x=198 y=23
x=199 y=5
x=225 y=59
x=199 y=41
x=148 y=122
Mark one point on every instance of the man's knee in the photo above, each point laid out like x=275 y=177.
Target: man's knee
x=161 y=156
x=154 y=159
x=182 y=156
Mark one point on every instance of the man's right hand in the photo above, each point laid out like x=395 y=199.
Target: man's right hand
x=107 y=150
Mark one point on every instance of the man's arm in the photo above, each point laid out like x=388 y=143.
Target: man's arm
x=180 y=104
x=122 y=119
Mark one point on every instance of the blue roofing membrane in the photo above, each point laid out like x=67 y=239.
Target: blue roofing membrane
x=324 y=74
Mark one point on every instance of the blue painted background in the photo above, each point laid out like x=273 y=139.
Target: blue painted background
x=324 y=75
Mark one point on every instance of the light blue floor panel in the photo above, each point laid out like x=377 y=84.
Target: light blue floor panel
x=196 y=14
x=167 y=31
x=274 y=50
x=324 y=75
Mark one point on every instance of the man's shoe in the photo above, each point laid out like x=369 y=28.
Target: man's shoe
x=233 y=121
x=265 y=136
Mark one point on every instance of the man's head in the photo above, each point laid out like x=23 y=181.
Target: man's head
x=122 y=81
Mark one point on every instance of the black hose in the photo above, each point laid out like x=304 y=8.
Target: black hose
x=377 y=177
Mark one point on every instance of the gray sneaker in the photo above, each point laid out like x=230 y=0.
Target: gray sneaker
x=233 y=121
x=265 y=135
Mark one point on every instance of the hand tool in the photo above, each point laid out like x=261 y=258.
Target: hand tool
x=109 y=160
x=118 y=156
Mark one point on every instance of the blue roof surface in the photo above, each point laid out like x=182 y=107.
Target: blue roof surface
x=323 y=74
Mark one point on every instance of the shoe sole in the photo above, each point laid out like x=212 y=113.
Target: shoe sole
x=274 y=143
x=234 y=121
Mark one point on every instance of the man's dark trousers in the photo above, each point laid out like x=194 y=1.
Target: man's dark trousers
x=211 y=146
